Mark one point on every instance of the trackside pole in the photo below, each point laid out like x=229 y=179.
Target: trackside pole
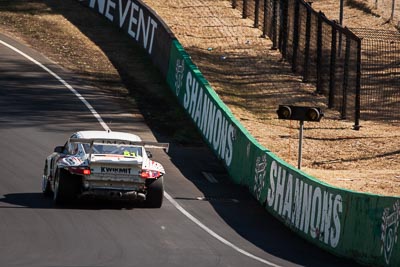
x=299 y=113
x=300 y=144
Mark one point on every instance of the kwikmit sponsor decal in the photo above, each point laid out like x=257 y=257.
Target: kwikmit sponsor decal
x=310 y=209
x=116 y=170
x=130 y=14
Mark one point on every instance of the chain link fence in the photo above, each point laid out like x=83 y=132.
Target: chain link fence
x=380 y=83
x=331 y=57
x=319 y=49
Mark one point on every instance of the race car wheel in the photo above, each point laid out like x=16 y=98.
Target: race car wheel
x=155 y=193
x=46 y=189
x=66 y=187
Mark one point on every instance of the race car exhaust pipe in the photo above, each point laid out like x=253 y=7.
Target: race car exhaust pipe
x=135 y=195
x=131 y=194
x=141 y=196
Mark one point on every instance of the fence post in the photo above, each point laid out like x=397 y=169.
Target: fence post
x=341 y=24
x=265 y=19
x=256 y=13
x=392 y=13
x=244 y=13
x=295 y=35
x=345 y=77
x=332 y=69
x=274 y=23
x=284 y=26
x=319 y=54
x=358 y=88
x=280 y=19
x=307 y=47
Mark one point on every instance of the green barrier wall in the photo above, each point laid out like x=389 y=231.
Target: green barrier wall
x=359 y=226
x=222 y=132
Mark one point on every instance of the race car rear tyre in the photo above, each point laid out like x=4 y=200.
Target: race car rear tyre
x=155 y=193
x=66 y=187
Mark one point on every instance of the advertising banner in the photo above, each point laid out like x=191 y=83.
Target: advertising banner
x=141 y=24
x=354 y=225
x=225 y=136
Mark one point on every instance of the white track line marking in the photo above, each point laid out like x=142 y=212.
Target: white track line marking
x=214 y=234
x=76 y=93
x=167 y=196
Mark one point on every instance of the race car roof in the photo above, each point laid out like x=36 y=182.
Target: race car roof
x=105 y=135
x=117 y=137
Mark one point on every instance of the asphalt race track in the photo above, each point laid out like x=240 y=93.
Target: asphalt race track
x=202 y=223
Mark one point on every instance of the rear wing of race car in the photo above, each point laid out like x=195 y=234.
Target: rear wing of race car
x=145 y=144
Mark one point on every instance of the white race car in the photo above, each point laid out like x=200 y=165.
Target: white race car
x=106 y=164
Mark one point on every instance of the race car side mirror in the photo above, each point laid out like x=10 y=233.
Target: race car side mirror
x=59 y=149
x=149 y=155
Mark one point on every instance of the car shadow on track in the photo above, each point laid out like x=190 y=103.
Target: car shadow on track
x=39 y=201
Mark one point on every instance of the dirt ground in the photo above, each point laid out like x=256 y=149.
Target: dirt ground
x=355 y=11
x=252 y=80
x=249 y=77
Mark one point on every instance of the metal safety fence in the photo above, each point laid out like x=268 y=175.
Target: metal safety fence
x=380 y=80
x=319 y=49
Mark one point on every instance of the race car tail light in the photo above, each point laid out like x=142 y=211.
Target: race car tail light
x=86 y=172
x=80 y=170
x=148 y=174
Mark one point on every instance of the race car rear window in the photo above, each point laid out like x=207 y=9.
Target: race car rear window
x=125 y=150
